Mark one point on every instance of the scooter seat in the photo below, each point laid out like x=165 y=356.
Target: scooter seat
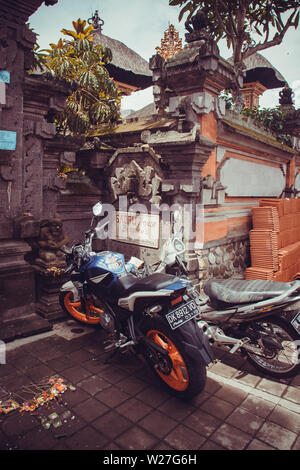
x=239 y=291
x=129 y=284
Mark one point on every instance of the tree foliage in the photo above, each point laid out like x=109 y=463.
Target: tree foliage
x=83 y=65
x=248 y=26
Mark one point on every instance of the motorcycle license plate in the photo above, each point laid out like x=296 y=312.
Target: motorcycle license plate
x=183 y=314
x=296 y=323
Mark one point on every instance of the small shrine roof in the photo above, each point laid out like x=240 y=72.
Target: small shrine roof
x=259 y=69
x=126 y=66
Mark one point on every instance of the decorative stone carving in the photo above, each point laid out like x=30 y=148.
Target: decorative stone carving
x=171 y=44
x=135 y=182
x=213 y=192
x=196 y=27
x=47 y=246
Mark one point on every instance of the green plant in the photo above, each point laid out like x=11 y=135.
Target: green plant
x=239 y=22
x=80 y=63
x=271 y=119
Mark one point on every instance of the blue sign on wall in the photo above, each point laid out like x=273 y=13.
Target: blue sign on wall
x=8 y=140
x=4 y=76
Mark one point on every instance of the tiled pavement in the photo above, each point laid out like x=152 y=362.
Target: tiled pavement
x=119 y=405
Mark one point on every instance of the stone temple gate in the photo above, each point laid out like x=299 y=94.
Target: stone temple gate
x=190 y=151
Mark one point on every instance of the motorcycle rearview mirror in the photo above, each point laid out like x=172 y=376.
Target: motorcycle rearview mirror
x=97 y=209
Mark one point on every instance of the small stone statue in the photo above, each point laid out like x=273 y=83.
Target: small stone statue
x=286 y=96
x=196 y=27
x=51 y=239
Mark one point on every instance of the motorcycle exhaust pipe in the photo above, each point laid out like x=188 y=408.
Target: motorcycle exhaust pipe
x=217 y=335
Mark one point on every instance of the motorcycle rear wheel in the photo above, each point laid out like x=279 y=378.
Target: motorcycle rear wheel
x=281 y=363
x=89 y=316
x=181 y=376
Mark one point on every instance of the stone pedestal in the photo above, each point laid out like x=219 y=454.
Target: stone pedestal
x=47 y=304
x=18 y=315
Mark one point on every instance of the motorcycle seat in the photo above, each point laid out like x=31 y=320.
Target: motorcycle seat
x=239 y=291
x=126 y=285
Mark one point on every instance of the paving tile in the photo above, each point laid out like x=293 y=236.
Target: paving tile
x=136 y=439
x=210 y=445
x=60 y=363
x=184 y=438
x=133 y=409
x=285 y=418
x=198 y=400
x=272 y=387
x=36 y=439
x=76 y=373
x=113 y=374
x=131 y=385
x=158 y=424
x=212 y=385
x=71 y=423
x=246 y=421
x=93 y=384
x=112 y=424
x=5 y=442
x=162 y=446
x=112 y=396
x=15 y=423
x=225 y=370
x=247 y=378
x=276 y=436
x=293 y=394
x=256 y=444
x=90 y=409
x=177 y=409
x=14 y=382
x=95 y=365
x=40 y=372
x=296 y=445
x=230 y=437
x=231 y=394
x=72 y=398
x=258 y=406
x=153 y=396
x=87 y=439
x=202 y=422
x=26 y=362
x=111 y=446
x=217 y=407
x=81 y=356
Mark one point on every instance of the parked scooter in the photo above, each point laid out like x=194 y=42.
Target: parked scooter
x=261 y=319
x=152 y=314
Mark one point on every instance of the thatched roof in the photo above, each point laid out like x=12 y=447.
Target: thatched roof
x=127 y=66
x=148 y=110
x=259 y=69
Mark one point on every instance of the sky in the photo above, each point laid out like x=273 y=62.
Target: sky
x=140 y=24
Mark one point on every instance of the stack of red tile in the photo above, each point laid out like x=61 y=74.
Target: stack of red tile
x=275 y=240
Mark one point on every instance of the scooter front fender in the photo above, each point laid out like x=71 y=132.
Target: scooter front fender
x=195 y=342
x=69 y=286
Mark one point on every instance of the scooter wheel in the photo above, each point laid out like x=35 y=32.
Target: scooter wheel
x=182 y=377
x=280 y=360
x=90 y=315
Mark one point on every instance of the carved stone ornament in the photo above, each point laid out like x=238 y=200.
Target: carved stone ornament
x=136 y=182
x=47 y=246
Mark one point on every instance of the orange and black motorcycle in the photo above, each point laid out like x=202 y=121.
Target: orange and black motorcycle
x=153 y=314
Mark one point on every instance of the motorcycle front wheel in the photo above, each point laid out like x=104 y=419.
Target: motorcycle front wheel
x=280 y=346
x=88 y=314
x=182 y=377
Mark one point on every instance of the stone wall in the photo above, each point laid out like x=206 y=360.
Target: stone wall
x=224 y=259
